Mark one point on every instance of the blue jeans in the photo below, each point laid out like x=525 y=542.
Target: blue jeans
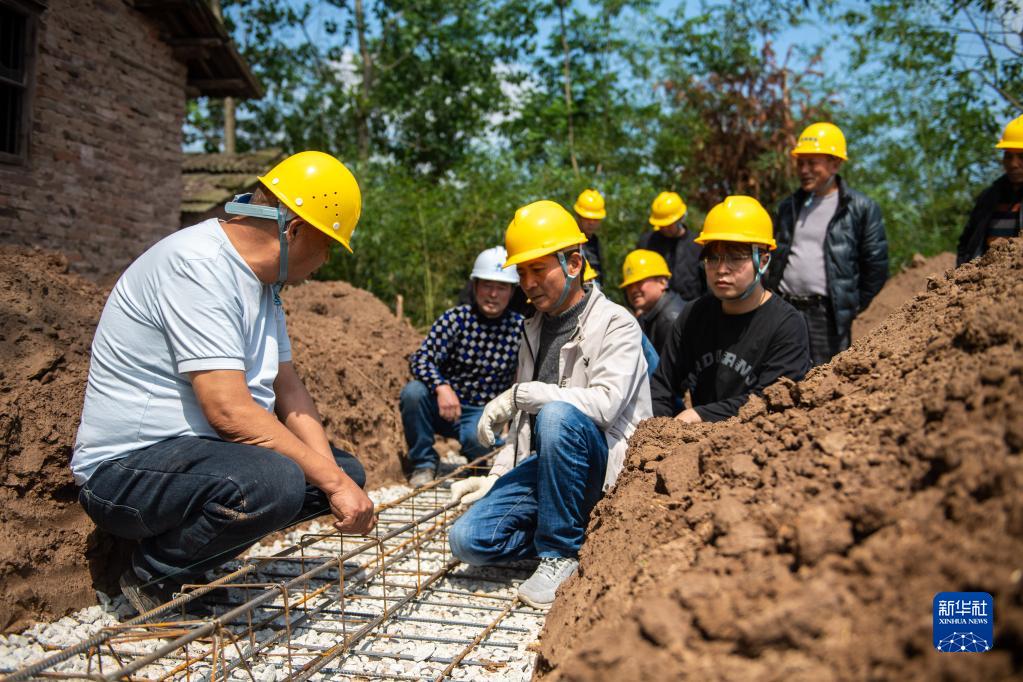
x=193 y=503
x=541 y=507
x=420 y=418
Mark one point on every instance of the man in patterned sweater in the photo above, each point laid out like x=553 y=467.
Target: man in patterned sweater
x=466 y=360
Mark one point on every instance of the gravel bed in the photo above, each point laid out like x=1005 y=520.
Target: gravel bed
x=416 y=641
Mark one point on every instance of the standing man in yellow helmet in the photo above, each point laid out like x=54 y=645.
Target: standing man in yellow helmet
x=589 y=214
x=581 y=390
x=645 y=277
x=197 y=435
x=832 y=256
x=671 y=238
x=998 y=212
x=739 y=339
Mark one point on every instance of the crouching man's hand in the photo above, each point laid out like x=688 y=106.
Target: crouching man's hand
x=471 y=489
x=689 y=416
x=353 y=509
x=496 y=414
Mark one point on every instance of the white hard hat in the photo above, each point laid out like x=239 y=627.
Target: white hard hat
x=489 y=264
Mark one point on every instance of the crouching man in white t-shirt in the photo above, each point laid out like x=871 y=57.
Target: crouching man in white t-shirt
x=197 y=435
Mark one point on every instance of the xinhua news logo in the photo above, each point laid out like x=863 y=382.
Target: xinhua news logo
x=964 y=622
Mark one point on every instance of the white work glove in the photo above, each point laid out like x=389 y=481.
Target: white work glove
x=496 y=414
x=469 y=490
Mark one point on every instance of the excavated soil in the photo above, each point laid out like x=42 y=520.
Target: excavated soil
x=352 y=353
x=47 y=319
x=901 y=288
x=349 y=349
x=806 y=538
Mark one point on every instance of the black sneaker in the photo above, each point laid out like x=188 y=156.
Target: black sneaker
x=144 y=596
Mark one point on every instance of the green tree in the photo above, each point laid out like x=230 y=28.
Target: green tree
x=934 y=84
x=731 y=110
x=411 y=81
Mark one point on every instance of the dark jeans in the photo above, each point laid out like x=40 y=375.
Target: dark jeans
x=826 y=341
x=193 y=503
x=541 y=507
x=420 y=419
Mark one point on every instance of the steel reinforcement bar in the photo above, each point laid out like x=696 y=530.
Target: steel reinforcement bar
x=291 y=623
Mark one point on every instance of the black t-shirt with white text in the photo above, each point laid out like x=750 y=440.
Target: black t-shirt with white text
x=721 y=359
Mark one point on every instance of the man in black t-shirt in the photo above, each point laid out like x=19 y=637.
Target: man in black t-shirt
x=739 y=338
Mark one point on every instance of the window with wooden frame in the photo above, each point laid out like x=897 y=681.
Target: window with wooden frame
x=18 y=30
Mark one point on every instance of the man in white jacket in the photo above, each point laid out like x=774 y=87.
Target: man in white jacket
x=581 y=390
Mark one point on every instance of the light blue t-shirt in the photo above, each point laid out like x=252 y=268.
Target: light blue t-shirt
x=189 y=303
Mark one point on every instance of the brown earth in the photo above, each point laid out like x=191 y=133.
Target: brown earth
x=340 y=334
x=900 y=289
x=806 y=538
x=46 y=324
x=352 y=353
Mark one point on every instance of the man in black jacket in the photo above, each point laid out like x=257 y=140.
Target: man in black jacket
x=645 y=277
x=832 y=256
x=674 y=241
x=589 y=214
x=738 y=339
x=997 y=213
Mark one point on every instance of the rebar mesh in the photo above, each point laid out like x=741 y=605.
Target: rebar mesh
x=392 y=605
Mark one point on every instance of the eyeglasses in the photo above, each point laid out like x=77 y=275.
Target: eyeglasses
x=731 y=260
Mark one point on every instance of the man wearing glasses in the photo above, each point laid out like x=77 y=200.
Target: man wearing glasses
x=739 y=338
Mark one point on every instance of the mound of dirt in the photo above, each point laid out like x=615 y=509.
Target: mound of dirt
x=900 y=289
x=46 y=325
x=806 y=538
x=352 y=353
x=349 y=349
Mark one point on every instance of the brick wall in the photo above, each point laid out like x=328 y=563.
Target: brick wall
x=103 y=177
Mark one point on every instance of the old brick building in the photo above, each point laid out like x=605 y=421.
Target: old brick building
x=92 y=102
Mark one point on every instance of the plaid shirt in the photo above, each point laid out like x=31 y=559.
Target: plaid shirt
x=475 y=355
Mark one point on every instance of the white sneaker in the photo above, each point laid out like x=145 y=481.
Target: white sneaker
x=539 y=590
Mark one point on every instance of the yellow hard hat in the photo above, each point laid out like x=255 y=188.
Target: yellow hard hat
x=822 y=138
x=539 y=229
x=590 y=204
x=589 y=274
x=738 y=219
x=1012 y=138
x=667 y=208
x=320 y=190
x=642 y=264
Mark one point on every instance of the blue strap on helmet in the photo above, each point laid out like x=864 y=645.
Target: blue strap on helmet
x=757 y=269
x=568 y=280
x=242 y=206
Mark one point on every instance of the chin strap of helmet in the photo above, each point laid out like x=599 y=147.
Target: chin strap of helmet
x=282 y=214
x=758 y=270
x=568 y=280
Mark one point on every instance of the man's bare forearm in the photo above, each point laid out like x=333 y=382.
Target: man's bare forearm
x=297 y=411
x=229 y=408
x=256 y=426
